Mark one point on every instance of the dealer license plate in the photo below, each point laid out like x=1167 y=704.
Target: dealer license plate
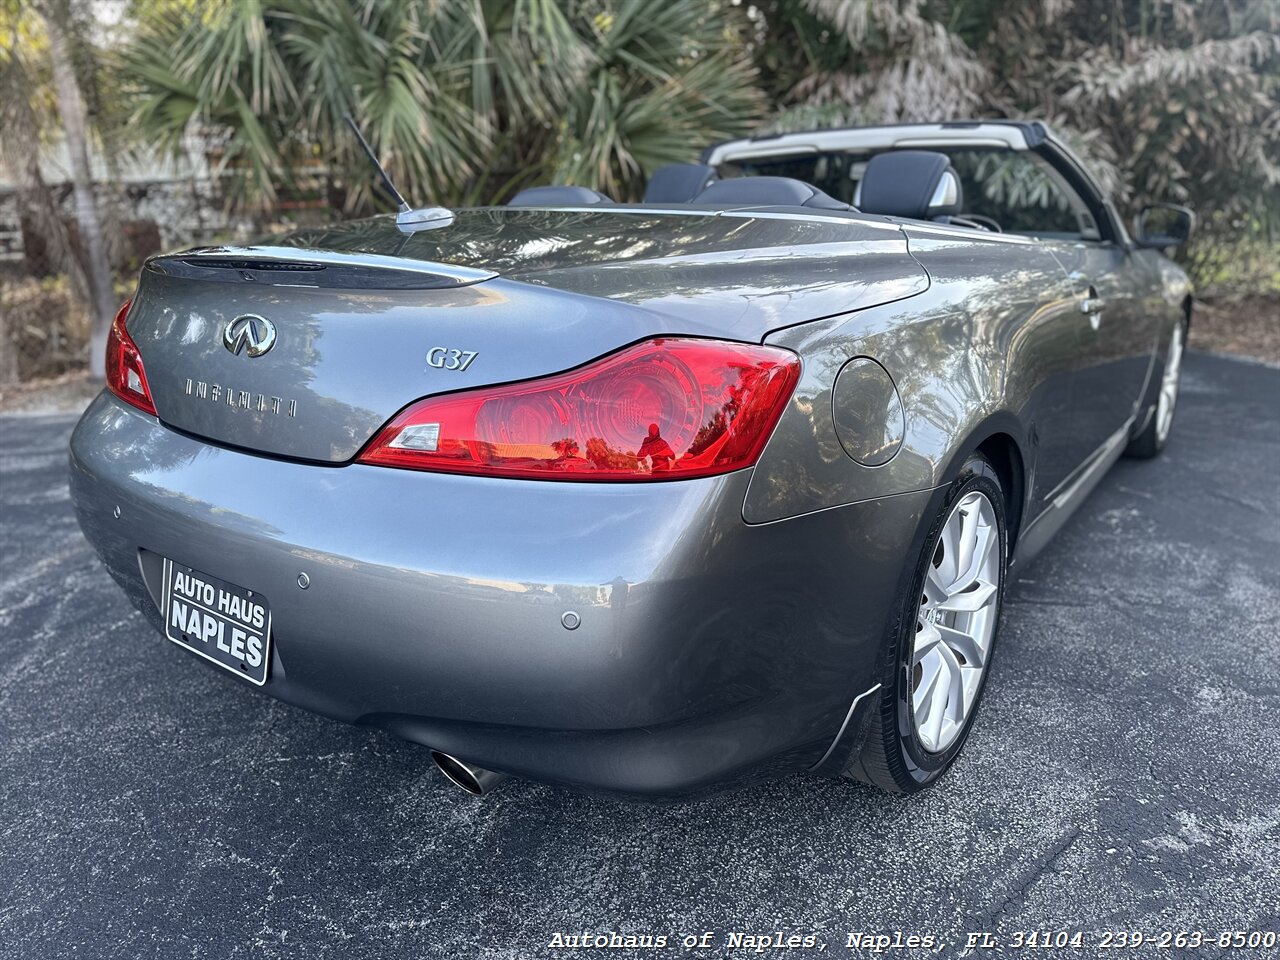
x=220 y=621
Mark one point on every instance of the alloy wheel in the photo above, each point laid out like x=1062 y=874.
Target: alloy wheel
x=1169 y=386
x=956 y=622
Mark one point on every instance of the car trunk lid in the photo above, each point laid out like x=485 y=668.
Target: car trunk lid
x=367 y=320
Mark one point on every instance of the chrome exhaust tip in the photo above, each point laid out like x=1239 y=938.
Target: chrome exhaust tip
x=475 y=780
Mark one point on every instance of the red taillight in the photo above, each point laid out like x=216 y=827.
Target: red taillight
x=660 y=410
x=126 y=377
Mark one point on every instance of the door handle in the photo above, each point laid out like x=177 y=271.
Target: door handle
x=1092 y=306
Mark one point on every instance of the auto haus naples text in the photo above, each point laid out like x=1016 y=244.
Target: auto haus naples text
x=191 y=602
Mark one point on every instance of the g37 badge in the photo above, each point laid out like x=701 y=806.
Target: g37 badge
x=447 y=358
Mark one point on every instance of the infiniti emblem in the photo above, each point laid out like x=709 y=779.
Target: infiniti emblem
x=251 y=333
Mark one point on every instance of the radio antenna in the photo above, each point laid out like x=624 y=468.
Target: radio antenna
x=408 y=219
x=368 y=152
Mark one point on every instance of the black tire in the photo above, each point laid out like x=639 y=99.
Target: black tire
x=1151 y=440
x=892 y=755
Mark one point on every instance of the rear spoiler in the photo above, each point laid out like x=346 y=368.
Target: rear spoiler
x=303 y=267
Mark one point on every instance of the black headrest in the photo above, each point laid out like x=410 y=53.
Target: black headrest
x=767 y=192
x=678 y=182
x=556 y=197
x=915 y=184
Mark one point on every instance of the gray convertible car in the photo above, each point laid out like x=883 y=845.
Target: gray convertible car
x=644 y=498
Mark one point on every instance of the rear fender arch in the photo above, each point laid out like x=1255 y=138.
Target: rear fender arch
x=1002 y=439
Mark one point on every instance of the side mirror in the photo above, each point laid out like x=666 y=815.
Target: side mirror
x=1162 y=225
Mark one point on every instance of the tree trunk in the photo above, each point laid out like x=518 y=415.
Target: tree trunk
x=71 y=106
x=8 y=349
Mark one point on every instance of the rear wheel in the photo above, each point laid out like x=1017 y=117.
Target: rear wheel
x=941 y=649
x=1155 y=434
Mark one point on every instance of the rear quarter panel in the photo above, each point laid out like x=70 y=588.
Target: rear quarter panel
x=988 y=348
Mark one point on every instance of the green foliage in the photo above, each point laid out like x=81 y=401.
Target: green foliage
x=449 y=92
x=660 y=76
x=30 y=120
x=1165 y=99
x=468 y=100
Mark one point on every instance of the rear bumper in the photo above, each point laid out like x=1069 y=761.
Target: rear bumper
x=708 y=649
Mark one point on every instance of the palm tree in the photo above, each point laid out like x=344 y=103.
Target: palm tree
x=22 y=108
x=663 y=81
x=57 y=16
x=461 y=99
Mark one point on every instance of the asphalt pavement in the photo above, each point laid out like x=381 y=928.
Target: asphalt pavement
x=1124 y=773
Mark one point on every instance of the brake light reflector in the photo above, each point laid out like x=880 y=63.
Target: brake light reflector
x=663 y=409
x=126 y=377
